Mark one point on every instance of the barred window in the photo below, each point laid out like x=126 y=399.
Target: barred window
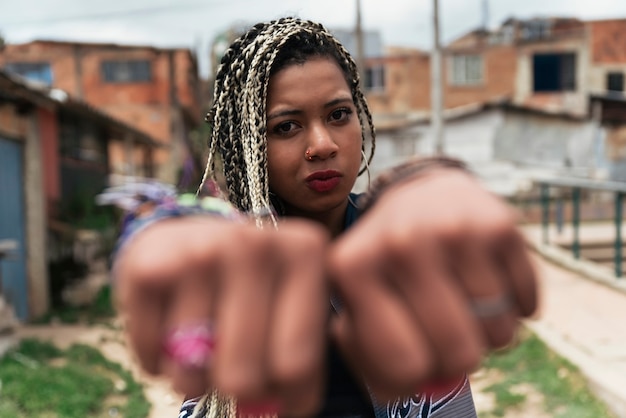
x=466 y=70
x=615 y=81
x=34 y=71
x=131 y=71
x=375 y=78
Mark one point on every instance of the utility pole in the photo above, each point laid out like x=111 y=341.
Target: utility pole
x=360 y=58
x=485 y=14
x=436 y=85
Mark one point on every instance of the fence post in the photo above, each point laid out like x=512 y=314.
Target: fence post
x=576 y=221
x=545 y=212
x=618 y=233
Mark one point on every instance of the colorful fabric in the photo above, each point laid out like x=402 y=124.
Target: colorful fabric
x=171 y=207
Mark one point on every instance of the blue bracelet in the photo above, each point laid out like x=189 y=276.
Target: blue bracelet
x=171 y=207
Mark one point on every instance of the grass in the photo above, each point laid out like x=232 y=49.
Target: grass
x=564 y=390
x=100 y=311
x=39 y=380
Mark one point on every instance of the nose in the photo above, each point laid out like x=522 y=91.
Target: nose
x=321 y=143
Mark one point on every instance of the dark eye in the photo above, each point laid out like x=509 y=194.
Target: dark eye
x=340 y=115
x=285 y=127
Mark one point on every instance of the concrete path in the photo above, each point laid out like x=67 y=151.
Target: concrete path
x=583 y=314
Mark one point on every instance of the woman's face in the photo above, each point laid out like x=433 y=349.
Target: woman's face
x=313 y=136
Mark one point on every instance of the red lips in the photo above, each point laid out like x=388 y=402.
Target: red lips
x=323 y=181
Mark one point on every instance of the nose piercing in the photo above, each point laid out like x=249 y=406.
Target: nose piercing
x=307 y=155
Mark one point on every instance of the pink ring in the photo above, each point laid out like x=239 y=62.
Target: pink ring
x=191 y=345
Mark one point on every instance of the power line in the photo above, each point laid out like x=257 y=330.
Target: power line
x=139 y=12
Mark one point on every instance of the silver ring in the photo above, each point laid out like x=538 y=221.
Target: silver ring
x=490 y=307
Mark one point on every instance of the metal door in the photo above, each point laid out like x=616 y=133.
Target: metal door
x=12 y=227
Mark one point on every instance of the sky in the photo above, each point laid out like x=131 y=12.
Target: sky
x=194 y=23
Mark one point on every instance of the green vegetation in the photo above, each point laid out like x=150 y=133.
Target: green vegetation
x=100 y=311
x=42 y=381
x=563 y=389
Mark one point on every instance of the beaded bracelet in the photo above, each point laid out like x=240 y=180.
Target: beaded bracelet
x=404 y=172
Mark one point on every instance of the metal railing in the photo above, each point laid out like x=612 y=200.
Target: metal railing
x=576 y=186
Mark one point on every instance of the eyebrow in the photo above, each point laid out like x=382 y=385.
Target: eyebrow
x=290 y=112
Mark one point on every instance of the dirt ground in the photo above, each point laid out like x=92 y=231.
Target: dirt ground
x=533 y=406
x=165 y=403
x=109 y=340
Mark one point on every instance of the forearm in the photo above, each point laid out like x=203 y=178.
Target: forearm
x=405 y=173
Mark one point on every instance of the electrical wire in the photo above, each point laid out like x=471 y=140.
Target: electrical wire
x=135 y=13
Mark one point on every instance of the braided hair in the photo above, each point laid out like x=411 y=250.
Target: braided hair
x=238 y=114
x=238 y=121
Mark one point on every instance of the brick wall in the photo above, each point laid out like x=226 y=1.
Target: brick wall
x=407 y=80
x=155 y=107
x=608 y=40
x=499 y=73
x=77 y=70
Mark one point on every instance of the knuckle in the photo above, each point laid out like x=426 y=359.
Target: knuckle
x=342 y=259
x=404 y=380
x=455 y=233
x=414 y=371
x=304 y=236
x=398 y=240
x=500 y=230
x=258 y=246
x=291 y=369
x=470 y=359
x=239 y=383
x=137 y=266
x=458 y=348
x=501 y=336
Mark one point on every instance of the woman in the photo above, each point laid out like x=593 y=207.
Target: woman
x=419 y=286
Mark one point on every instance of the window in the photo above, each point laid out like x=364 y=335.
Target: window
x=34 y=71
x=466 y=70
x=375 y=78
x=536 y=30
x=81 y=140
x=554 y=72
x=615 y=82
x=504 y=36
x=126 y=71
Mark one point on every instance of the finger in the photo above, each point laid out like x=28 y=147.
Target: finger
x=190 y=310
x=300 y=317
x=394 y=354
x=245 y=297
x=143 y=292
x=517 y=265
x=143 y=322
x=486 y=286
x=190 y=265
x=342 y=333
x=437 y=305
